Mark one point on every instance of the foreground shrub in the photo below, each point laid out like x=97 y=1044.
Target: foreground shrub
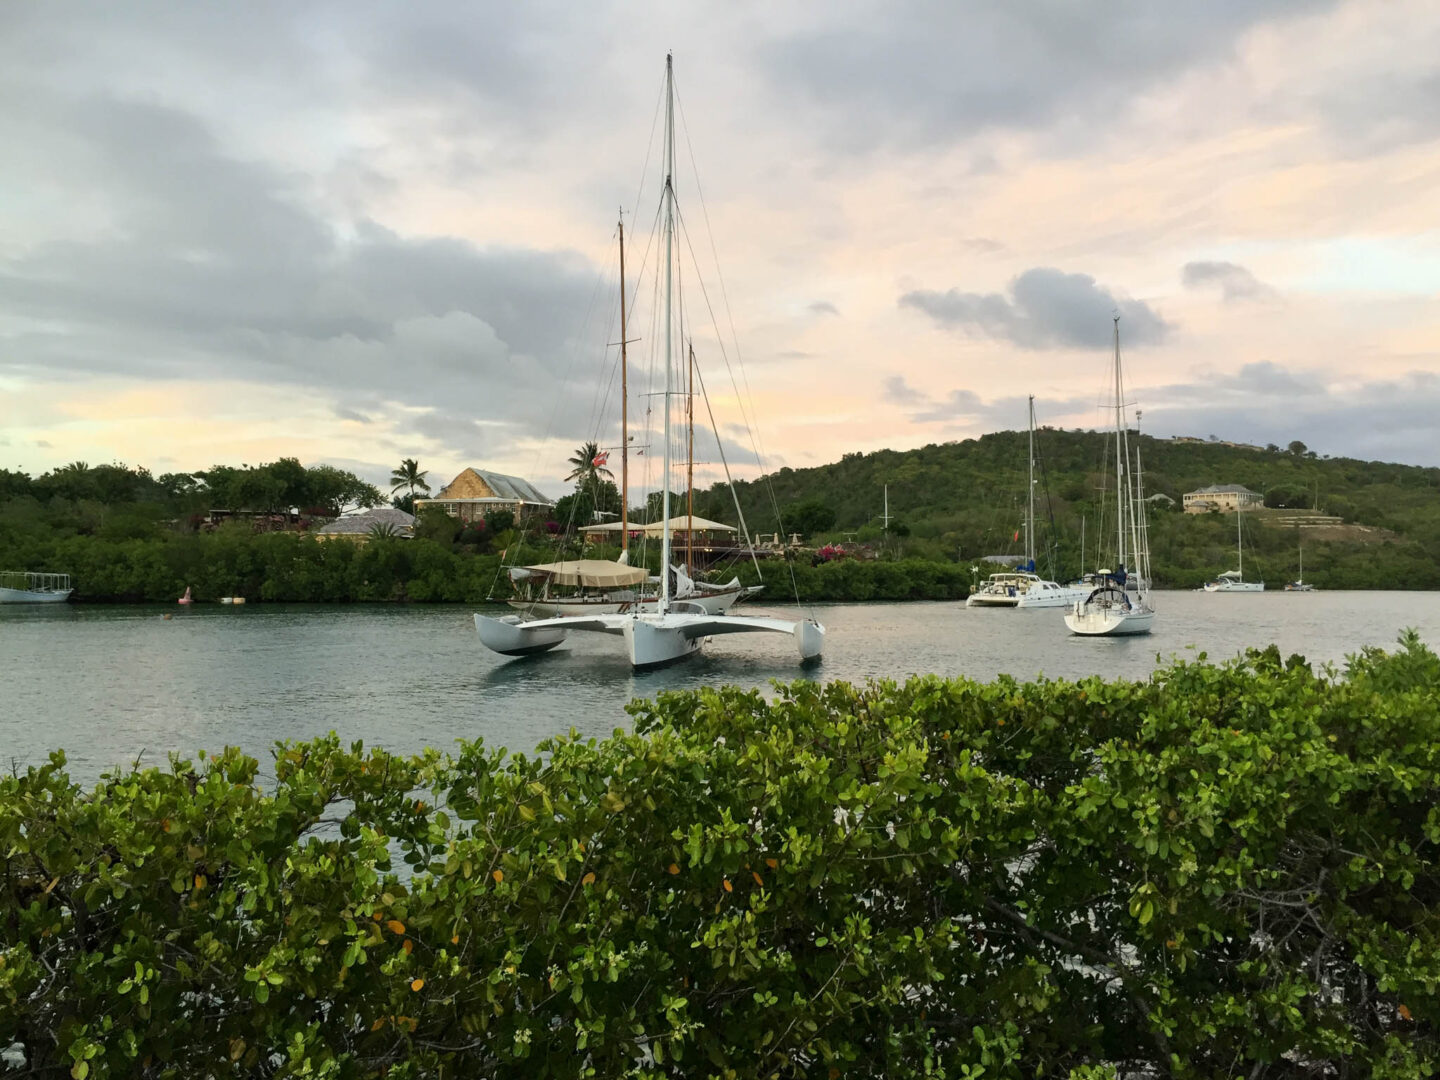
x=1227 y=870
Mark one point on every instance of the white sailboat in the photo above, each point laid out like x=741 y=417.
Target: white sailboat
x=1110 y=610
x=1234 y=580
x=675 y=628
x=1023 y=587
x=1300 y=584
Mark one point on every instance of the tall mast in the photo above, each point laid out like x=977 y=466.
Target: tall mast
x=624 y=410
x=1030 y=506
x=1119 y=456
x=690 y=466
x=1239 y=541
x=669 y=333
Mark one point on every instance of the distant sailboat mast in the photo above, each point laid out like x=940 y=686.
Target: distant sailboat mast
x=1119 y=457
x=1030 y=505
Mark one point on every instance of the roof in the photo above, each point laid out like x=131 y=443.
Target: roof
x=1224 y=489
x=360 y=524
x=655 y=528
x=596 y=573
x=484 y=484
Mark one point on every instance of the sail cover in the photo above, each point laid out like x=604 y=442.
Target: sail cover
x=593 y=573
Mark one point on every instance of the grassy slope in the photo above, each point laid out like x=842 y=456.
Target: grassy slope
x=964 y=499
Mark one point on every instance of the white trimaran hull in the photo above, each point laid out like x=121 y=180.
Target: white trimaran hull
x=650 y=639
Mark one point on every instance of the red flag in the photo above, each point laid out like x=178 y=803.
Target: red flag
x=600 y=458
x=1016 y=536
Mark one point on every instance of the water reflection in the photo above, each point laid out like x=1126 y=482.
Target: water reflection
x=106 y=683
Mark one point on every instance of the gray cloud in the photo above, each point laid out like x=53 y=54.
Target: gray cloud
x=1046 y=309
x=1381 y=419
x=899 y=392
x=1233 y=280
x=964 y=409
x=216 y=267
x=941 y=71
x=823 y=307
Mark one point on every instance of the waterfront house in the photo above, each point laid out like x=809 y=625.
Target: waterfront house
x=358 y=528
x=478 y=492
x=1222 y=497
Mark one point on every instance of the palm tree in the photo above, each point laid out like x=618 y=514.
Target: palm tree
x=584 y=468
x=408 y=475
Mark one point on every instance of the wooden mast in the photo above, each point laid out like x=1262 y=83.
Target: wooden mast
x=624 y=409
x=690 y=467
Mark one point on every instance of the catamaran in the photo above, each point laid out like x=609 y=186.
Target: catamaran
x=24 y=587
x=676 y=628
x=1110 y=610
x=1234 y=580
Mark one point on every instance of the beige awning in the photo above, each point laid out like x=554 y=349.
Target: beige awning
x=593 y=573
x=655 y=528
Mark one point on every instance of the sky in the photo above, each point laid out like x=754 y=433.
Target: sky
x=353 y=232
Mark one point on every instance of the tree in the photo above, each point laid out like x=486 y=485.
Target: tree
x=810 y=517
x=587 y=466
x=409 y=476
x=1297 y=448
x=337 y=490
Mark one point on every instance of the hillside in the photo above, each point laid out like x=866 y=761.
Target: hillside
x=958 y=501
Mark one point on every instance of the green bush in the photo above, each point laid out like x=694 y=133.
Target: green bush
x=1225 y=870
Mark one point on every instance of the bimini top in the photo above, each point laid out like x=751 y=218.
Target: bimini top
x=655 y=528
x=593 y=573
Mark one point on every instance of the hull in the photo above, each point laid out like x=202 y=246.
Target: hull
x=1296 y=586
x=710 y=604
x=510 y=637
x=1234 y=586
x=991 y=600
x=652 y=644
x=1109 y=622
x=1054 y=596
x=28 y=596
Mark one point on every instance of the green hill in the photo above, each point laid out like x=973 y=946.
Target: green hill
x=962 y=500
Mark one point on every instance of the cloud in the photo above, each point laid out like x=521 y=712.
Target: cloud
x=1046 y=309
x=216 y=267
x=943 y=71
x=899 y=392
x=1380 y=419
x=982 y=245
x=1233 y=280
x=823 y=307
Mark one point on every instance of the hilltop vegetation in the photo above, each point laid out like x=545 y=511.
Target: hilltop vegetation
x=959 y=501
x=125 y=534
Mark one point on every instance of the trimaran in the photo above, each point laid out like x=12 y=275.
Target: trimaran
x=676 y=628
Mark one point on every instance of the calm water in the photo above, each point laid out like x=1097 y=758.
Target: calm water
x=108 y=683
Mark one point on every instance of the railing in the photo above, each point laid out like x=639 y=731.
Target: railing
x=25 y=581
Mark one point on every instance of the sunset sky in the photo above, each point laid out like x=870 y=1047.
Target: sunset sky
x=354 y=231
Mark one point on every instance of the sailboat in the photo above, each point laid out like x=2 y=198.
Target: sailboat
x=1300 y=584
x=1109 y=610
x=676 y=628
x=1023 y=587
x=602 y=587
x=1234 y=580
